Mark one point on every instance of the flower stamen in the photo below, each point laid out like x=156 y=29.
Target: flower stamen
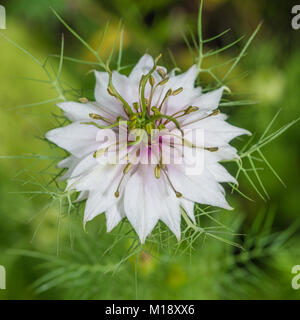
x=177 y=91
x=125 y=171
x=178 y=194
x=96 y=116
x=168 y=94
x=157 y=171
x=214 y=113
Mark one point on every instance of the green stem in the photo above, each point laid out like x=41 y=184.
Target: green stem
x=126 y=106
x=105 y=127
x=189 y=222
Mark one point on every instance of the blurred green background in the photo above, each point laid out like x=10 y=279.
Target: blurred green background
x=269 y=74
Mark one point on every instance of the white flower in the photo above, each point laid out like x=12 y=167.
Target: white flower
x=144 y=192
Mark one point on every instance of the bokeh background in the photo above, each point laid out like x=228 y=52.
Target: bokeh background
x=268 y=74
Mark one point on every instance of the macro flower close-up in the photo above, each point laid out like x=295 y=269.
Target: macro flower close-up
x=149 y=151
x=166 y=116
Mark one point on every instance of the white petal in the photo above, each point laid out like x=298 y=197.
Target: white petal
x=79 y=139
x=128 y=90
x=206 y=103
x=171 y=216
x=114 y=215
x=102 y=195
x=147 y=199
x=220 y=173
x=70 y=163
x=67 y=162
x=82 y=167
x=82 y=196
x=79 y=111
x=226 y=153
x=141 y=213
x=97 y=203
x=170 y=212
x=188 y=206
x=217 y=132
x=94 y=206
x=202 y=189
x=144 y=65
x=172 y=73
x=101 y=178
x=186 y=81
x=103 y=98
x=210 y=100
x=204 y=160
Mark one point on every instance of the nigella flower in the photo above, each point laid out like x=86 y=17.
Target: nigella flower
x=152 y=178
